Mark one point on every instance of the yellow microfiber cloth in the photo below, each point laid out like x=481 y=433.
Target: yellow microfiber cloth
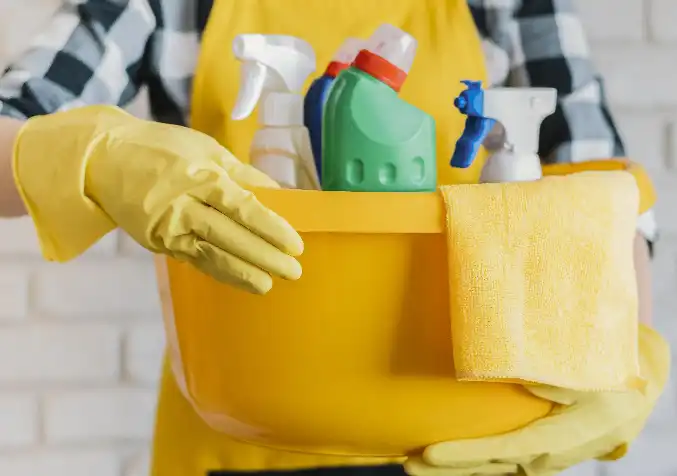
x=542 y=281
x=593 y=425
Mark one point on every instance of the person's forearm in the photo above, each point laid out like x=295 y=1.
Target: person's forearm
x=11 y=204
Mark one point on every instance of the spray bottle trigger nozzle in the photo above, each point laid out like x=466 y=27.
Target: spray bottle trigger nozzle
x=472 y=84
x=253 y=79
x=470 y=102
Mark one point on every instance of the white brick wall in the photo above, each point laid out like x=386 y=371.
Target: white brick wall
x=80 y=344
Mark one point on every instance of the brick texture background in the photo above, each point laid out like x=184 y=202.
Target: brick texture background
x=80 y=344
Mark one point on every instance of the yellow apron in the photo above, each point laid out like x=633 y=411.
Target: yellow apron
x=261 y=430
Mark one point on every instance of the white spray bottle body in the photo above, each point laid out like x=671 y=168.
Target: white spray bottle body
x=504 y=166
x=274 y=70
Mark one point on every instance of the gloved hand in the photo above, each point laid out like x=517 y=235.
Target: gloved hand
x=176 y=191
x=584 y=426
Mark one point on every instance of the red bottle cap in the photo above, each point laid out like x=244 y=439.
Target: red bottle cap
x=335 y=67
x=381 y=69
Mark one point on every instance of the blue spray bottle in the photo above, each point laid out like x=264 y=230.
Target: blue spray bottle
x=317 y=94
x=520 y=111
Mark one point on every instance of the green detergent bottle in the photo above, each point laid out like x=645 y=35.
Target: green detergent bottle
x=373 y=141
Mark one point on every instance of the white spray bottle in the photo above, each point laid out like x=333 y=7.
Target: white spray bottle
x=520 y=112
x=274 y=70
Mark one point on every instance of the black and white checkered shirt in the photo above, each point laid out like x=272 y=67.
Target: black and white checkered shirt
x=104 y=51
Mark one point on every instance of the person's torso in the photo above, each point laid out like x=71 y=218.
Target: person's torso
x=449 y=50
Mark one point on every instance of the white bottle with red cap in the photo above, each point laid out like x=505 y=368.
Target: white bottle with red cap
x=274 y=70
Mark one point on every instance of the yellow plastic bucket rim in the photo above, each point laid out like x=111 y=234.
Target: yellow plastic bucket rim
x=310 y=211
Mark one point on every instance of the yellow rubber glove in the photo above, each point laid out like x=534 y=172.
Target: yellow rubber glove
x=585 y=427
x=83 y=172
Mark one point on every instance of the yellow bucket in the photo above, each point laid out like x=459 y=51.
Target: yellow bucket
x=355 y=358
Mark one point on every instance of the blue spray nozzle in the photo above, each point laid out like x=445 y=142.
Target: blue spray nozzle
x=471 y=103
x=472 y=84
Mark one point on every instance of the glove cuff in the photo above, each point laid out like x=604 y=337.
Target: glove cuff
x=49 y=161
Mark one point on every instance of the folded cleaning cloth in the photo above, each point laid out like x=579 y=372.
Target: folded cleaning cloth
x=542 y=281
x=591 y=425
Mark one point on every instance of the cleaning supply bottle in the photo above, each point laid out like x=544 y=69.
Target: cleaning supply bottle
x=274 y=70
x=317 y=94
x=373 y=141
x=520 y=112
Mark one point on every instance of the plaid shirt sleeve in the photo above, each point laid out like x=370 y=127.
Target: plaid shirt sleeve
x=92 y=52
x=547 y=47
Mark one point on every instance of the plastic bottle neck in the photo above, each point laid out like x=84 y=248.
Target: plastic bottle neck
x=280 y=109
x=334 y=68
x=381 y=69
